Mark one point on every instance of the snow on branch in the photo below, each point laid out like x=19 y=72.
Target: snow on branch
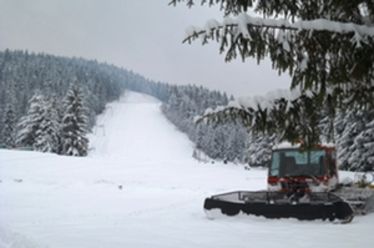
x=228 y=6
x=244 y=20
x=268 y=100
x=288 y=114
x=254 y=102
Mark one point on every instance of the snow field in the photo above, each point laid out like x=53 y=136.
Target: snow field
x=140 y=187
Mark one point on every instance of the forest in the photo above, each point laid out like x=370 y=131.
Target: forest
x=50 y=103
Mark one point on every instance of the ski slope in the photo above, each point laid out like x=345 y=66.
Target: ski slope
x=140 y=187
x=136 y=120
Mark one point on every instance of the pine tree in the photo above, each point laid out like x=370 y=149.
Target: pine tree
x=323 y=45
x=202 y=142
x=74 y=124
x=355 y=139
x=347 y=126
x=368 y=147
x=260 y=149
x=56 y=115
x=47 y=136
x=22 y=73
x=238 y=143
x=9 y=128
x=29 y=125
x=219 y=143
x=327 y=47
x=362 y=157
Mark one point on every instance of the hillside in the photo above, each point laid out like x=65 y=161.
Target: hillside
x=35 y=88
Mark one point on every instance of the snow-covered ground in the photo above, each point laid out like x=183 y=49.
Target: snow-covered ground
x=140 y=187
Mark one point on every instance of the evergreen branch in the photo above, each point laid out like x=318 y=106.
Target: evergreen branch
x=332 y=57
x=292 y=120
x=295 y=9
x=228 y=6
x=245 y=21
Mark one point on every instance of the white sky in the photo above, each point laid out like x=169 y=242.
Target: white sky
x=141 y=35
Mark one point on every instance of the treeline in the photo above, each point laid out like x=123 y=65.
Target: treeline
x=226 y=142
x=230 y=142
x=36 y=90
x=48 y=102
x=40 y=94
x=48 y=126
x=352 y=130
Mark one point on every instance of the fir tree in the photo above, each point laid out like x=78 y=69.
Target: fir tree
x=355 y=139
x=347 y=126
x=9 y=128
x=29 y=125
x=324 y=45
x=74 y=124
x=362 y=158
x=22 y=74
x=47 y=136
x=260 y=149
x=238 y=143
x=327 y=47
x=368 y=147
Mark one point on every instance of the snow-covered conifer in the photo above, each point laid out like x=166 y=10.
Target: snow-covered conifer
x=260 y=149
x=237 y=143
x=362 y=158
x=322 y=46
x=326 y=48
x=74 y=124
x=9 y=127
x=47 y=136
x=29 y=125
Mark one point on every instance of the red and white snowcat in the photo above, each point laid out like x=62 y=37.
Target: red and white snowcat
x=302 y=184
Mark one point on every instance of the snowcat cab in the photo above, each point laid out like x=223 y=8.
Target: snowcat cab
x=302 y=184
x=293 y=170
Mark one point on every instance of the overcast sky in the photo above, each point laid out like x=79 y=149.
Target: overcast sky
x=142 y=35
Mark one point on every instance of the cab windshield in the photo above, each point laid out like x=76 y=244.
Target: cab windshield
x=295 y=163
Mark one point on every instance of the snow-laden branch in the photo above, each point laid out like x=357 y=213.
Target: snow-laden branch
x=266 y=101
x=244 y=20
x=339 y=59
x=290 y=115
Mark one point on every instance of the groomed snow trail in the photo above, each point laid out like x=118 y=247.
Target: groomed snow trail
x=140 y=187
x=137 y=130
